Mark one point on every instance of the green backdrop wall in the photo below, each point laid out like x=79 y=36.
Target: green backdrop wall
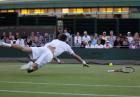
x=100 y=54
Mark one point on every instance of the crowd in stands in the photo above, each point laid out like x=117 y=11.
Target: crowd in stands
x=103 y=40
x=33 y=39
x=107 y=41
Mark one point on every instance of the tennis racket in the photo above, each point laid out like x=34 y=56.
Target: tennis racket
x=127 y=69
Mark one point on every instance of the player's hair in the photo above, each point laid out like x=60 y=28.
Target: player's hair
x=62 y=37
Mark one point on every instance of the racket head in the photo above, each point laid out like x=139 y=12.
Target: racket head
x=128 y=69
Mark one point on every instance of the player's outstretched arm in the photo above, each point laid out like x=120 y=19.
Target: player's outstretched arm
x=77 y=57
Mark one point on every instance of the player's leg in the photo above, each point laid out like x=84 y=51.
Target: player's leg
x=36 y=53
x=42 y=60
x=45 y=58
x=21 y=48
x=15 y=46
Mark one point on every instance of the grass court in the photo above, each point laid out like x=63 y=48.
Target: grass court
x=68 y=80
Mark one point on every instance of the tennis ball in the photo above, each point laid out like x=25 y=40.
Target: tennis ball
x=110 y=64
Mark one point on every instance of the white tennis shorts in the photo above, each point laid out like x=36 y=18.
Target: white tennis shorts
x=41 y=55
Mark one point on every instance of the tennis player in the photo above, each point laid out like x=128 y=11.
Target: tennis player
x=45 y=54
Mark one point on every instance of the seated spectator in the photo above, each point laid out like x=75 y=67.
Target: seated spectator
x=46 y=37
x=133 y=45
x=7 y=40
x=107 y=45
x=17 y=35
x=129 y=37
x=29 y=42
x=99 y=45
x=94 y=40
x=68 y=36
x=125 y=43
x=40 y=39
x=77 y=40
x=117 y=42
x=12 y=40
x=20 y=41
x=111 y=38
x=102 y=40
x=3 y=36
x=86 y=38
x=136 y=38
x=104 y=37
x=10 y=35
x=122 y=39
x=89 y=45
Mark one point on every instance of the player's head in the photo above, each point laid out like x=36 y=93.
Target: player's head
x=62 y=37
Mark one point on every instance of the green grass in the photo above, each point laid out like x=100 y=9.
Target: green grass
x=68 y=80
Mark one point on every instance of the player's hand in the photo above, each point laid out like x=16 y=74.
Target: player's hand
x=85 y=64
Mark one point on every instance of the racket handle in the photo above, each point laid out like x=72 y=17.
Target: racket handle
x=111 y=70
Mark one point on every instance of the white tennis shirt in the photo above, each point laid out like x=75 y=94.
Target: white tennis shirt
x=60 y=47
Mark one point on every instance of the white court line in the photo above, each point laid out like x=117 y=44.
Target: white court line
x=70 y=94
x=81 y=85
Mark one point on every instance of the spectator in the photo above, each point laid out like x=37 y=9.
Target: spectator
x=99 y=45
x=86 y=38
x=10 y=35
x=125 y=43
x=136 y=38
x=88 y=45
x=12 y=40
x=24 y=35
x=29 y=41
x=117 y=42
x=94 y=40
x=20 y=41
x=111 y=38
x=77 y=40
x=16 y=35
x=102 y=40
x=40 y=39
x=3 y=36
x=68 y=35
x=6 y=39
x=129 y=37
x=104 y=37
x=108 y=45
x=59 y=31
x=46 y=38
x=36 y=41
x=122 y=38
x=133 y=45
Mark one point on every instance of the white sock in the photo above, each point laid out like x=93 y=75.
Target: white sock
x=6 y=44
x=30 y=65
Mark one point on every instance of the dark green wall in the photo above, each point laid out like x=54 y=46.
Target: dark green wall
x=101 y=54
x=107 y=54
x=93 y=25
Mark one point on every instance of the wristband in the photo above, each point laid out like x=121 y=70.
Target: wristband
x=84 y=62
